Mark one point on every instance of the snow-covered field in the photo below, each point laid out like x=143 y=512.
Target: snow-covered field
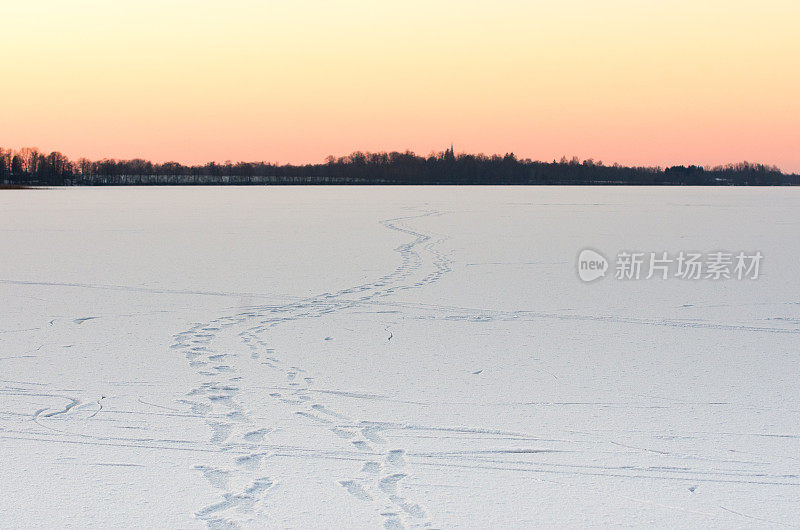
x=394 y=357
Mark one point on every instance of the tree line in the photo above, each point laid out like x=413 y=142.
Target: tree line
x=29 y=166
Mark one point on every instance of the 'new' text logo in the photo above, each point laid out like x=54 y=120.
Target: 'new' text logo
x=591 y=265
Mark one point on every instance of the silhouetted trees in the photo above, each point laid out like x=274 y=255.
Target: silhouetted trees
x=29 y=166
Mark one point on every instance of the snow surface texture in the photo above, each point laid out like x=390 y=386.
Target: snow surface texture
x=394 y=357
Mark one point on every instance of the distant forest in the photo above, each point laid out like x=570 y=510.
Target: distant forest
x=30 y=167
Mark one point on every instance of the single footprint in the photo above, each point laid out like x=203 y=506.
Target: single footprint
x=221 y=431
x=355 y=489
x=250 y=462
x=259 y=485
x=240 y=502
x=342 y=433
x=197 y=408
x=256 y=436
x=370 y=432
x=215 y=476
x=389 y=483
x=395 y=458
x=373 y=468
x=362 y=445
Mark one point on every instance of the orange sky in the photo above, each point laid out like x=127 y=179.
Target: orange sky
x=634 y=81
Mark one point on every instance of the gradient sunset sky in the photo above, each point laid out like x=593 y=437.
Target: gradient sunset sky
x=653 y=82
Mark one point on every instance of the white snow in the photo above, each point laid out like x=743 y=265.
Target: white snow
x=394 y=357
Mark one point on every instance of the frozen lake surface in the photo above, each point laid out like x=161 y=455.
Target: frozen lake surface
x=394 y=357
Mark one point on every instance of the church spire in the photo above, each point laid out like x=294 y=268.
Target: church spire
x=450 y=154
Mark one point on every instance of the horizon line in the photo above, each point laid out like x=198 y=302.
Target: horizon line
x=561 y=160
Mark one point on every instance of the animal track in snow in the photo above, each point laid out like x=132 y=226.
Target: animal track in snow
x=356 y=489
x=257 y=435
x=216 y=477
x=216 y=401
